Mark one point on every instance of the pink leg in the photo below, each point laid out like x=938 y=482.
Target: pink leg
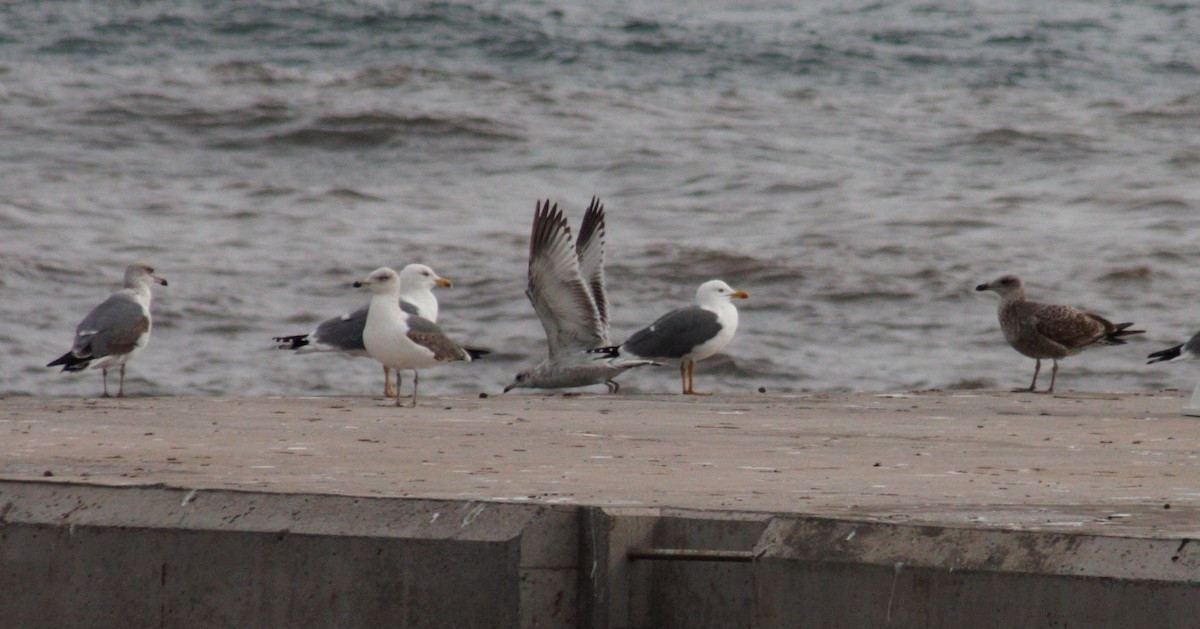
x=1033 y=386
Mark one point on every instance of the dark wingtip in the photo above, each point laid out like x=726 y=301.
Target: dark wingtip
x=611 y=351
x=70 y=362
x=1162 y=356
x=291 y=342
x=477 y=352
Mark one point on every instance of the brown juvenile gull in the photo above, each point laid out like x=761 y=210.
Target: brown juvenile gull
x=1185 y=351
x=1051 y=331
x=688 y=334
x=116 y=330
x=345 y=333
x=401 y=340
x=566 y=288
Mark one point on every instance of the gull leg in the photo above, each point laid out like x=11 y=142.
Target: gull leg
x=387 y=383
x=121 y=385
x=415 y=377
x=692 y=379
x=612 y=385
x=683 y=376
x=397 y=387
x=1033 y=386
x=104 y=373
x=1053 y=376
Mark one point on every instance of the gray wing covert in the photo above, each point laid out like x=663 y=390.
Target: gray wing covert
x=429 y=335
x=344 y=332
x=674 y=334
x=113 y=327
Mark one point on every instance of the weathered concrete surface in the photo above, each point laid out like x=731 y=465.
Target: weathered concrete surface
x=88 y=556
x=1070 y=505
x=1104 y=463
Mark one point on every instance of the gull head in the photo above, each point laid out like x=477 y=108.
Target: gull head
x=714 y=292
x=525 y=379
x=381 y=280
x=142 y=273
x=1005 y=286
x=419 y=276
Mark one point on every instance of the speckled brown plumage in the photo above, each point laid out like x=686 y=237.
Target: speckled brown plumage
x=1052 y=331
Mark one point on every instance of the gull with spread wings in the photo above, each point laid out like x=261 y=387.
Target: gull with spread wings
x=566 y=287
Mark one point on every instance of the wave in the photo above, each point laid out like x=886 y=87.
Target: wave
x=376 y=129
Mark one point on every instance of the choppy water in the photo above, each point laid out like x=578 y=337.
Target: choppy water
x=857 y=167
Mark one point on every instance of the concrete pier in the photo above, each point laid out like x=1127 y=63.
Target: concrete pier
x=931 y=509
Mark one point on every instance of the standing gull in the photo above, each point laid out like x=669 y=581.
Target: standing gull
x=401 y=340
x=116 y=330
x=1050 y=331
x=688 y=334
x=566 y=288
x=345 y=333
x=1185 y=351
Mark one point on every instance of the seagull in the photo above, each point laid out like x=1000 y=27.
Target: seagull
x=401 y=340
x=116 y=330
x=566 y=288
x=1185 y=351
x=688 y=334
x=345 y=333
x=1050 y=331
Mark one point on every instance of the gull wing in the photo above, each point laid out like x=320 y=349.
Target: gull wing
x=589 y=248
x=674 y=334
x=113 y=327
x=429 y=335
x=1068 y=327
x=560 y=297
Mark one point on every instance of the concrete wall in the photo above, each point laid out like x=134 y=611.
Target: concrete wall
x=78 y=556
x=97 y=557
x=827 y=573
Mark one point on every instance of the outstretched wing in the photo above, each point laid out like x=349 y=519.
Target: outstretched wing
x=560 y=297
x=589 y=248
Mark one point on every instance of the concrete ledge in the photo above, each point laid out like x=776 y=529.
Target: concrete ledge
x=816 y=573
x=961 y=509
x=88 y=556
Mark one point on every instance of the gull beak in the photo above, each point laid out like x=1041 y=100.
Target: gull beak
x=982 y=287
x=510 y=387
x=363 y=282
x=444 y=283
x=740 y=294
x=159 y=279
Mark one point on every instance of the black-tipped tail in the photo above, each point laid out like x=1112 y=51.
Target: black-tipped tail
x=70 y=362
x=476 y=352
x=1171 y=353
x=291 y=342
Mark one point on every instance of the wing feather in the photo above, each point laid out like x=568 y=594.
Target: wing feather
x=559 y=295
x=1069 y=327
x=589 y=248
x=113 y=327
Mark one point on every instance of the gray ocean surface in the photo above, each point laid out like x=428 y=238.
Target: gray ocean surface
x=857 y=167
